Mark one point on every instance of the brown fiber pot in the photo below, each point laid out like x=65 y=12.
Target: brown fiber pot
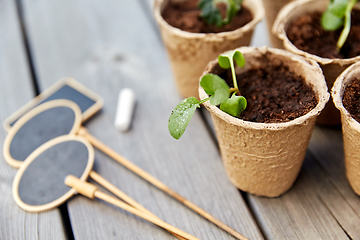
x=331 y=67
x=350 y=127
x=190 y=52
x=265 y=158
x=272 y=9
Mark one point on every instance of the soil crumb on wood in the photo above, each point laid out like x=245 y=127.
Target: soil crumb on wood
x=307 y=34
x=274 y=93
x=185 y=15
x=351 y=99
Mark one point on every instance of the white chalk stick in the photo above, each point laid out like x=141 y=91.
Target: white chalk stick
x=125 y=109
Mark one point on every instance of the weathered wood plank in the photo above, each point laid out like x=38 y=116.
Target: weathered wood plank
x=108 y=46
x=327 y=146
x=323 y=178
x=15 y=91
x=301 y=213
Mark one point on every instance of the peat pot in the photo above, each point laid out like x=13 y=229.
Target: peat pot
x=350 y=127
x=265 y=158
x=331 y=67
x=272 y=9
x=190 y=52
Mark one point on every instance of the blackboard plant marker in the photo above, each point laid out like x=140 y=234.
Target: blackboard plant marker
x=263 y=158
x=349 y=81
x=189 y=52
x=331 y=66
x=39 y=183
x=43 y=125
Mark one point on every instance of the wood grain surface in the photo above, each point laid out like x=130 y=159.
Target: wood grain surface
x=321 y=204
x=15 y=91
x=115 y=44
x=107 y=46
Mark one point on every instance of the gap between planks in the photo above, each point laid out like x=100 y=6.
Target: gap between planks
x=33 y=77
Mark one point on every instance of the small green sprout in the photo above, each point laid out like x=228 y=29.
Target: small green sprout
x=211 y=14
x=219 y=93
x=337 y=15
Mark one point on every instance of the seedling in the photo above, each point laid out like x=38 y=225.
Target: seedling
x=219 y=93
x=211 y=13
x=337 y=15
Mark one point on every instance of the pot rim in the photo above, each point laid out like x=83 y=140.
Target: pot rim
x=279 y=30
x=338 y=90
x=255 y=7
x=322 y=92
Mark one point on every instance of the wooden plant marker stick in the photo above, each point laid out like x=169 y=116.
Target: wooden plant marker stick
x=105 y=183
x=39 y=183
x=111 y=153
x=89 y=190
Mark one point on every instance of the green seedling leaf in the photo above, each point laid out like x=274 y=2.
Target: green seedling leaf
x=333 y=18
x=235 y=6
x=234 y=105
x=226 y=58
x=330 y=22
x=212 y=15
x=239 y=59
x=215 y=87
x=181 y=116
x=219 y=93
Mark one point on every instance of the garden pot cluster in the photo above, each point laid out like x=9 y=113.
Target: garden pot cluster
x=265 y=158
x=190 y=52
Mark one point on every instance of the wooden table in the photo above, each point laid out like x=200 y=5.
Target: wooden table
x=111 y=44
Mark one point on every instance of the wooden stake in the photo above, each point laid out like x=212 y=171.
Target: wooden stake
x=111 y=153
x=105 y=183
x=89 y=190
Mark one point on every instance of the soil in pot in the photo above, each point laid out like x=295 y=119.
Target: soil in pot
x=274 y=93
x=351 y=99
x=185 y=15
x=307 y=34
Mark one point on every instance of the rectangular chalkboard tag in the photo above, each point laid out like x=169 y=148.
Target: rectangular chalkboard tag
x=67 y=88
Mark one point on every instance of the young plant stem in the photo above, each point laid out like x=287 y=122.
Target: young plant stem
x=236 y=88
x=347 y=25
x=233 y=90
x=204 y=100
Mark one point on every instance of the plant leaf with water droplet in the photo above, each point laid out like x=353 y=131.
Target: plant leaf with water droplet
x=181 y=116
x=215 y=87
x=234 y=105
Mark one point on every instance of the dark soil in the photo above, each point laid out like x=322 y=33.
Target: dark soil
x=351 y=99
x=307 y=34
x=274 y=93
x=186 y=16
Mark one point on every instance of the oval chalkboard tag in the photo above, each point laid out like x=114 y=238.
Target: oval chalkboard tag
x=39 y=183
x=43 y=123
